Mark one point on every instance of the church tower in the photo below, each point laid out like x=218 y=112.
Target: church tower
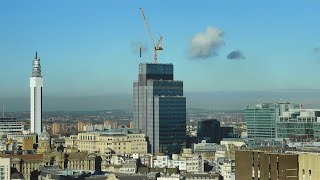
x=44 y=143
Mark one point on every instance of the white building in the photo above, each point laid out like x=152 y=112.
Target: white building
x=205 y=147
x=36 y=84
x=10 y=125
x=161 y=161
x=181 y=164
x=235 y=142
x=5 y=168
x=117 y=159
x=195 y=164
x=135 y=156
x=226 y=168
x=189 y=162
x=96 y=127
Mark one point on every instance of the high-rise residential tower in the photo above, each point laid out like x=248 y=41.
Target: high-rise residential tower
x=36 y=84
x=160 y=108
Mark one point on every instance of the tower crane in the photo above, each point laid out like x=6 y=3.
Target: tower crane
x=157 y=47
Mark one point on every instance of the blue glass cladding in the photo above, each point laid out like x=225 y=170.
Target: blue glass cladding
x=156 y=69
x=167 y=88
x=160 y=108
x=172 y=124
x=155 y=72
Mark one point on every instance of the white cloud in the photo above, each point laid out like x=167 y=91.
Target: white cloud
x=206 y=44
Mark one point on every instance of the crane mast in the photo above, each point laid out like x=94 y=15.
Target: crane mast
x=157 y=46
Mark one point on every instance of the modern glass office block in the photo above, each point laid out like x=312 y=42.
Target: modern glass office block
x=160 y=108
x=261 y=120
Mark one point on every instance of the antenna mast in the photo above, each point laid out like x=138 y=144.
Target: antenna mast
x=3 y=110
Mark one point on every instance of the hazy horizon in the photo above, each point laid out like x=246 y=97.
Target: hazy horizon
x=220 y=100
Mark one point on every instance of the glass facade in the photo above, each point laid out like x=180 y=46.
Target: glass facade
x=299 y=124
x=295 y=130
x=282 y=120
x=160 y=108
x=209 y=130
x=170 y=124
x=316 y=130
x=261 y=120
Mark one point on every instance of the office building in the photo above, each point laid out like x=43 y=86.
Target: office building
x=186 y=161
x=119 y=141
x=226 y=168
x=192 y=163
x=160 y=108
x=10 y=125
x=36 y=84
x=257 y=165
x=211 y=131
x=5 y=166
x=206 y=150
x=205 y=147
x=261 y=118
x=299 y=124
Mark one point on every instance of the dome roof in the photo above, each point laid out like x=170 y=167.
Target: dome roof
x=44 y=136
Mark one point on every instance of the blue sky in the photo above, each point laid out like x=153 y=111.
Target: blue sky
x=85 y=46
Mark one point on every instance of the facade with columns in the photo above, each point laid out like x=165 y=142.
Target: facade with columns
x=120 y=143
x=29 y=164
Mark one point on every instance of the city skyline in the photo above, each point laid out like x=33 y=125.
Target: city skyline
x=84 y=44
